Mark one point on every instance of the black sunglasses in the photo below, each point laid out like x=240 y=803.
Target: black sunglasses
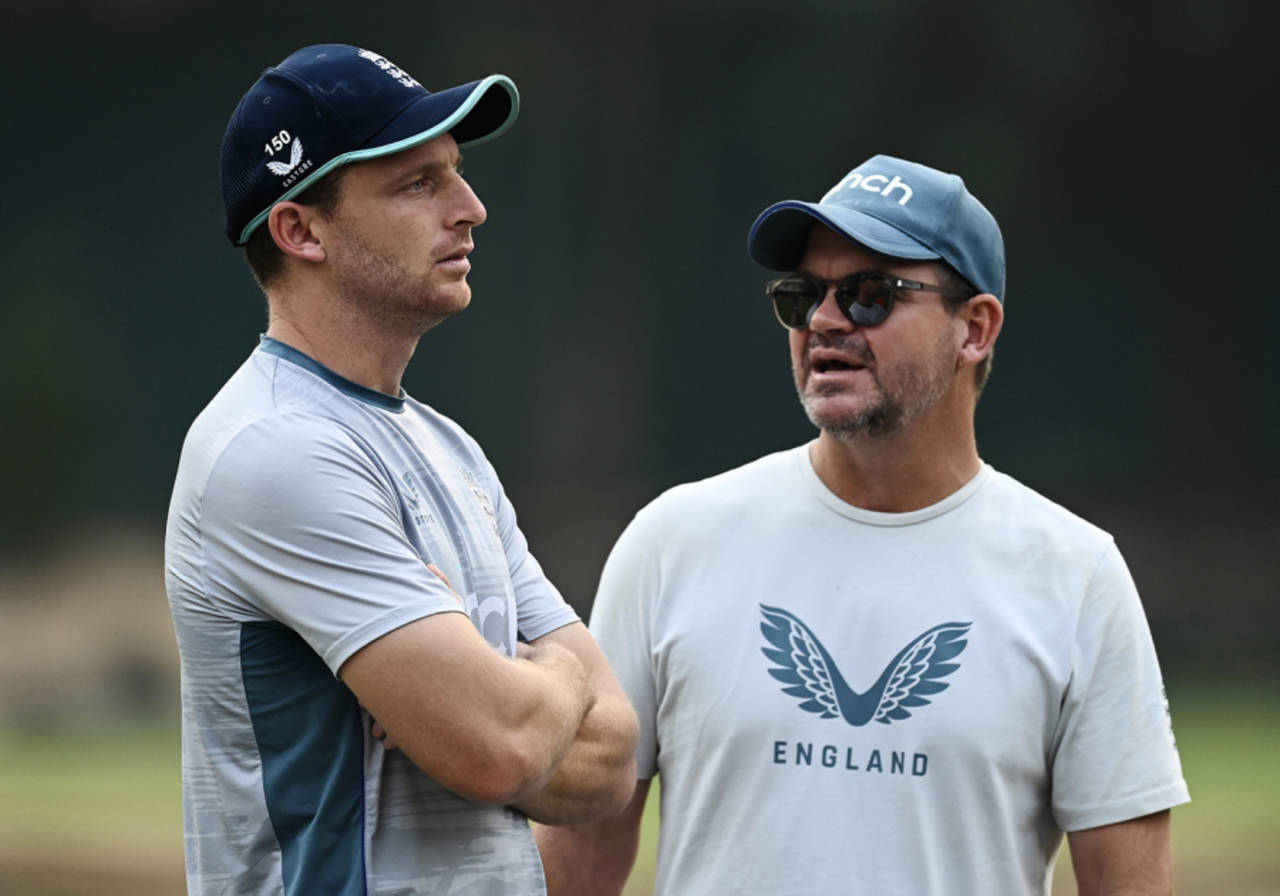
x=865 y=298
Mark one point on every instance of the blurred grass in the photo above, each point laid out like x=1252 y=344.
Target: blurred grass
x=106 y=801
x=106 y=796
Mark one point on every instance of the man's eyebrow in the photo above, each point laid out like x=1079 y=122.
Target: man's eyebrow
x=429 y=168
x=874 y=269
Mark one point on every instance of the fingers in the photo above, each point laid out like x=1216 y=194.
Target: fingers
x=442 y=577
x=381 y=734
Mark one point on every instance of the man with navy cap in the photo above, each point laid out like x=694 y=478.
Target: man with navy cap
x=872 y=663
x=342 y=562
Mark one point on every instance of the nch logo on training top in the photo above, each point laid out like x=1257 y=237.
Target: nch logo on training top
x=872 y=183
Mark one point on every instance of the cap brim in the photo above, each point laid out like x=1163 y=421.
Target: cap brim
x=474 y=113
x=779 y=235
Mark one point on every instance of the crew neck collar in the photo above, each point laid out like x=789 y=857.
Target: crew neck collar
x=818 y=488
x=341 y=383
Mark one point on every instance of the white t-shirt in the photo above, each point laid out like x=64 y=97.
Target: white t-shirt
x=845 y=701
x=305 y=511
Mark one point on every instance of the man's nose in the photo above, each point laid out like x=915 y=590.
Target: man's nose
x=469 y=209
x=828 y=317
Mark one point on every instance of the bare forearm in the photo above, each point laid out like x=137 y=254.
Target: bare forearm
x=1131 y=858
x=1151 y=882
x=487 y=727
x=596 y=778
x=1125 y=889
x=593 y=859
x=549 y=720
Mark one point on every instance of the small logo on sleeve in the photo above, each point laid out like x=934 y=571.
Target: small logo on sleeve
x=803 y=664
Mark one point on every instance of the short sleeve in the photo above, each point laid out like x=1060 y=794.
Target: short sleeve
x=540 y=608
x=622 y=624
x=1114 y=756
x=302 y=527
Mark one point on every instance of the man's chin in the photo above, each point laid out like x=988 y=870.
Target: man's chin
x=834 y=408
x=452 y=298
x=849 y=419
x=438 y=306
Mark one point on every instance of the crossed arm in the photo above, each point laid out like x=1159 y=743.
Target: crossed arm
x=548 y=731
x=597 y=773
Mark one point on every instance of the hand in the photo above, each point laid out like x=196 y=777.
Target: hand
x=442 y=577
x=552 y=655
x=388 y=742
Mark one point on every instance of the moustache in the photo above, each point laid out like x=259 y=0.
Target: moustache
x=852 y=346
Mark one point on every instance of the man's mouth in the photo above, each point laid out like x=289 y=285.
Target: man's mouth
x=459 y=255
x=833 y=365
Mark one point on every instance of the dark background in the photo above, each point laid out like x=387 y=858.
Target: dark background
x=619 y=341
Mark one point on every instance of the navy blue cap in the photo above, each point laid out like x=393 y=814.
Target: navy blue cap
x=332 y=104
x=897 y=208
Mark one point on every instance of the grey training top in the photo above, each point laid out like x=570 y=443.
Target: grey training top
x=304 y=514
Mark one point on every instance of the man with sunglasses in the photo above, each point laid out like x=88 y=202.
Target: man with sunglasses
x=872 y=663
x=318 y=510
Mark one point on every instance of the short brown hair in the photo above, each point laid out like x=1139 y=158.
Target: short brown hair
x=950 y=280
x=264 y=256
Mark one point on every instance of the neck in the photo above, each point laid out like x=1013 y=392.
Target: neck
x=919 y=464
x=338 y=336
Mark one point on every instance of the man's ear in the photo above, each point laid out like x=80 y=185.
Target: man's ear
x=984 y=317
x=292 y=228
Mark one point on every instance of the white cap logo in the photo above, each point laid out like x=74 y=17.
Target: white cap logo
x=295 y=156
x=390 y=68
x=872 y=183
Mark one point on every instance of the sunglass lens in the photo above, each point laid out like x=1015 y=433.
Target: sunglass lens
x=871 y=302
x=794 y=299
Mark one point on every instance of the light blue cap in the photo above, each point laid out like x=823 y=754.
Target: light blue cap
x=897 y=208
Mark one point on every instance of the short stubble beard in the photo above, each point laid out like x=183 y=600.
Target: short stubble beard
x=917 y=388
x=386 y=291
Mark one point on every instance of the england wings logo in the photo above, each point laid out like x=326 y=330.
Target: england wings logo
x=295 y=156
x=806 y=668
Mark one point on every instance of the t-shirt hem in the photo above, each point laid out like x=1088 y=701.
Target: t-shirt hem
x=1155 y=801
x=346 y=647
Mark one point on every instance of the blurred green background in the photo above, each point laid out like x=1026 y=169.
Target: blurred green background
x=619 y=341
